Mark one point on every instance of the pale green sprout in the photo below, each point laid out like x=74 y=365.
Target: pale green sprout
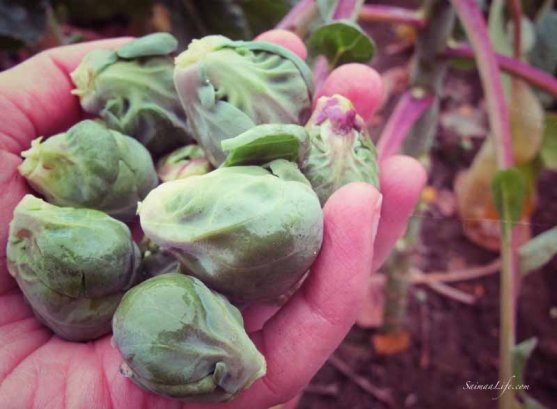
x=91 y=166
x=132 y=90
x=227 y=87
x=72 y=265
x=182 y=340
x=248 y=232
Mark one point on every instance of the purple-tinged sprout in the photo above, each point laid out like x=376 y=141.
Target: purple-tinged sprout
x=340 y=149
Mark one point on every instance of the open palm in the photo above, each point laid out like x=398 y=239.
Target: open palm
x=40 y=370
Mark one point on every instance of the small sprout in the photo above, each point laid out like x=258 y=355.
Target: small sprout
x=93 y=167
x=132 y=90
x=247 y=232
x=182 y=340
x=340 y=150
x=227 y=87
x=184 y=162
x=72 y=265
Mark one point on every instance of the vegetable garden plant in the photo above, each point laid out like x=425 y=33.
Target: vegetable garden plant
x=226 y=142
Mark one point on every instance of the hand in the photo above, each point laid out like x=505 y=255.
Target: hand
x=39 y=370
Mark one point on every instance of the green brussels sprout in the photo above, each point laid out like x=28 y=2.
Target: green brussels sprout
x=72 y=265
x=182 y=340
x=340 y=149
x=247 y=232
x=132 y=90
x=91 y=166
x=189 y=160
x=227 y=87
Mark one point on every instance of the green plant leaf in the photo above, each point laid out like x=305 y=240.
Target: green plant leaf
x=548 y=150
x=521 y=352
x=508 y=192
x=341 y=42
x=538 y=251
x=22 y=22
x=265 y=143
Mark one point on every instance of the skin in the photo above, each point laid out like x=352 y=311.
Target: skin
x=286 y=39
x=360 y=83
x=39 y=370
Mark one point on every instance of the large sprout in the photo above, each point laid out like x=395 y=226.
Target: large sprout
x=182 y=340
x=91 y=166
x=340 y=149
x=246 y=231
x=72 y=265
x=132 y=89
x=227 y=87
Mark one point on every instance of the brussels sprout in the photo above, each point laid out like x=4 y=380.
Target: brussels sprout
x=227 y=87
x=247 y=232
x=182 y=340
x=340 y=149
x=132 y=89
x=91 y=166
x=186 y=161
x=72 y=265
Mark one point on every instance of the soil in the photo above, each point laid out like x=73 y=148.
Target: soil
x=452 y=344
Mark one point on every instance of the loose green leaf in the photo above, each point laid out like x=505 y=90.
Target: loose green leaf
x=548 y=151
x=341 y=42
x=149 y=46
x=508 y=192
x=538 y=251
x=22 y=22
x=265 y=143
x=521 y=352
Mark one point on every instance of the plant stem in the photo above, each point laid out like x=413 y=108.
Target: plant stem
x=428 y=72
x=408 y=110
x=427 y=75
x=347 y=9
x=532 y=75
x=390 y=14
x=475 y=27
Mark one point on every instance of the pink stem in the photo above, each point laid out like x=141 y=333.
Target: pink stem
x=475 y=27
x=289 y=21
x=407 y=111
x=534 y=76
x=345 y=9
x=391 y=14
